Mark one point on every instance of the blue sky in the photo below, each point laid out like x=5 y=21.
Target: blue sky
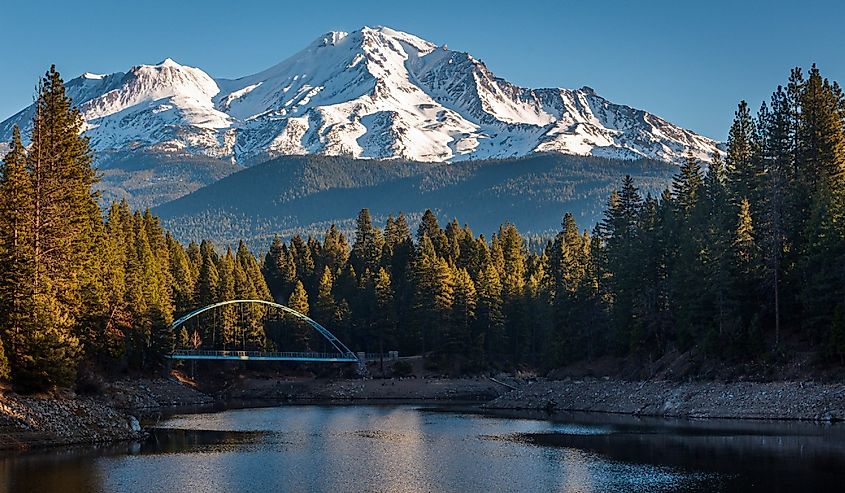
x=687 y=61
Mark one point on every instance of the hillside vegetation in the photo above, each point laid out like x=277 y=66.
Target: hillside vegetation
x=306 y=194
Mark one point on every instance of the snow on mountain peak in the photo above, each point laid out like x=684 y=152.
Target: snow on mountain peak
x=331 y=38
x=371 y=93
x=169 y=62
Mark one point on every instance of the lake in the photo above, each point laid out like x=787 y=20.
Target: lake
x=415 y=449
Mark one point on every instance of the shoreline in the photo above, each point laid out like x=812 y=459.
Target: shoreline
x=781 y=401
x=62 y=418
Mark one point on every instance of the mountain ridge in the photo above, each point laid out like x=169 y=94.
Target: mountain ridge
x=162 y=131
x=374 y=93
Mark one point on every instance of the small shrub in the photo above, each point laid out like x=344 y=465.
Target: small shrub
x=402 y=369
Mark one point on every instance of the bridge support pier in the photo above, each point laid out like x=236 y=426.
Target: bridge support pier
x=362 y=364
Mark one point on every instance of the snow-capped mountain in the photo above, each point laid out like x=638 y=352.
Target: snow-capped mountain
x=372 y=93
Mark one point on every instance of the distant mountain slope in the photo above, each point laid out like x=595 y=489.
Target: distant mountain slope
x=375 y=93
x=306 y=194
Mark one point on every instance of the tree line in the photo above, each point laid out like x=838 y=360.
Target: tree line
x=81 y=288
x=737 y=257
x=742 y=256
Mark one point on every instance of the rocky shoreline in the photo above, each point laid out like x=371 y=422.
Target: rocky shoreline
x=807 y=401
x=477 y=389
x=62 y=418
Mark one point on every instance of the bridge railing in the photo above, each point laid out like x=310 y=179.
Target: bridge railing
x=386 y=356
x=188 y=353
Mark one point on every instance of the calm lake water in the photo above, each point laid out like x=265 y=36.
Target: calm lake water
x=408 y=448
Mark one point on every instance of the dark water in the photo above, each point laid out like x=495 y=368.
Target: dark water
x=404 y=448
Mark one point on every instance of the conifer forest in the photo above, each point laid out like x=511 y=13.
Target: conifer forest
x=742 y=258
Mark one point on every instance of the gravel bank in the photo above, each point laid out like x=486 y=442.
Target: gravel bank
x=737 y=400
x=153 y=394
x=451 y=389
x=61 y=418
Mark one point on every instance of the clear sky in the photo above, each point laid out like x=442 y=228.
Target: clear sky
x=689 y=61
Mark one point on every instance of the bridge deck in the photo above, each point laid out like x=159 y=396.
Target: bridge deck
x=263 y=356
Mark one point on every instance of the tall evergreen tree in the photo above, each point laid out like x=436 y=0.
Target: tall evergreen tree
x=16 y=253
x=743 y=161
x=65 y=219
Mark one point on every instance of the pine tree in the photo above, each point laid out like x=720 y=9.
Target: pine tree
x=208 y=279
x=687 y=269
x=335 y=251
x=228 y=315
x=425 y=282
x=463 y=313
x=567 y=266
x=183 y=283
x=687 y=187
x=366 y=251
x=747 y=271
x=431 y=228
x=821 y=155
x=718 y=283
x=298 y=301
x=184 y=340
x=444 y=297
x=744 y=242
x=325 y=306
x=303 y=261
x=401 y=247
x=384 y=304
x=619 y=234
x=743 y=162
x=116 y=258
x=513 y=289
x=207 y=289
x=780 y=210
x=490 y=320
x=65 y=218
x=16 y=253
x=822 y=143
x=256 y=286
x=452 y=245
x=272 y=269
x=195 y=257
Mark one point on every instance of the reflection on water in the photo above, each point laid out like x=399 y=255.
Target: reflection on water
x=401 y=448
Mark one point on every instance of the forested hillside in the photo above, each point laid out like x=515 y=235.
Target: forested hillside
x=741 y=262
x=306 y=194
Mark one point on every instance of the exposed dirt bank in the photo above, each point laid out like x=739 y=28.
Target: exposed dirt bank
x=737 y=400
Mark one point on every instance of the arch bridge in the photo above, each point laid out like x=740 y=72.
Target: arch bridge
x=340 y=354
